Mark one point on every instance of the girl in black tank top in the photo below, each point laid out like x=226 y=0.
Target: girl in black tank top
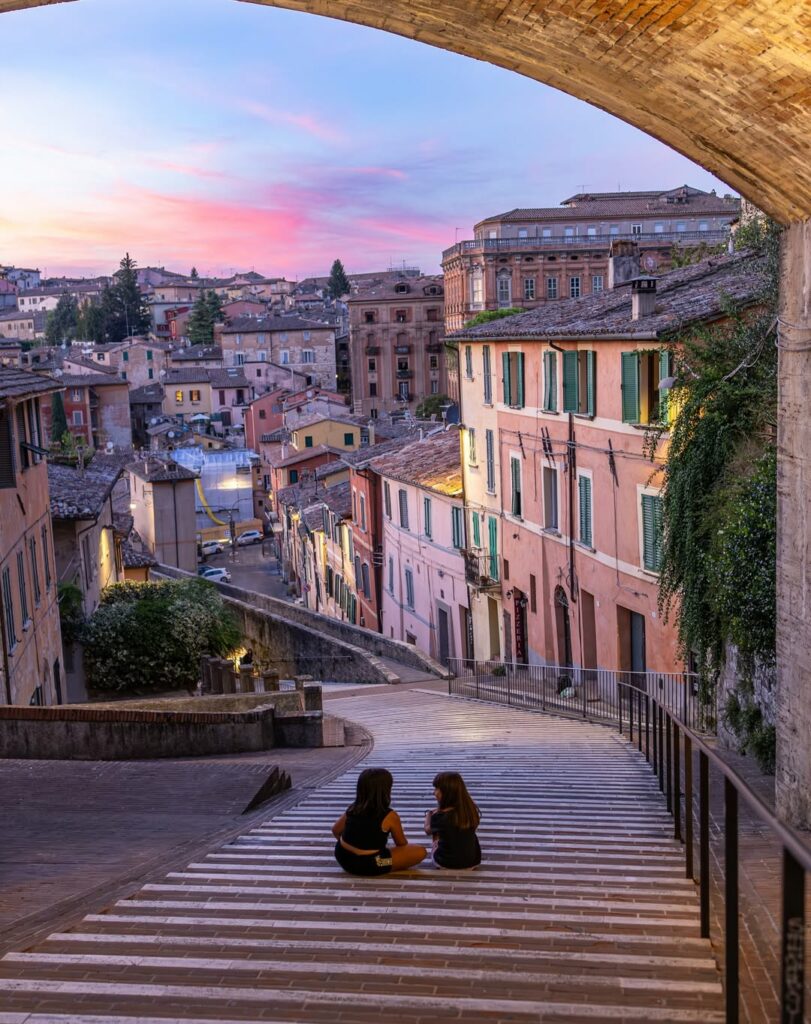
x=362 y=833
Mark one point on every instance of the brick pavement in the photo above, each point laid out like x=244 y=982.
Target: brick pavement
x=579 y=912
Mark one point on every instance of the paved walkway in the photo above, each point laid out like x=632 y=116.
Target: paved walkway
x=579 y=912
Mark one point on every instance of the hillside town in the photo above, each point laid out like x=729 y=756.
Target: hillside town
x=458 y=462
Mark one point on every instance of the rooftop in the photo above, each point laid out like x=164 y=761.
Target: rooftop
x=689 y=295
x=157 y=471
x=192 y=352
x=80 y=493
x=16 y=383
x=406 y=289
x=434 y=463
x=308 y=453
x=147 y=395
x=252 y=324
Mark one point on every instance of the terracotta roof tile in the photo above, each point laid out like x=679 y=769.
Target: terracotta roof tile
x=434 y=463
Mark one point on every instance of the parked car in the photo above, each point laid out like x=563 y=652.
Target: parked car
x=249 y=537
x=211 y=547
x=215 y=575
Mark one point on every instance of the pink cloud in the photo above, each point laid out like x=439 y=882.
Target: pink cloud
x=305 y=122
x=188 y=170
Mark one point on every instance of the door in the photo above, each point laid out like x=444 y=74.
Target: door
x=638 y=661
x=444 y=638
x=564 y=627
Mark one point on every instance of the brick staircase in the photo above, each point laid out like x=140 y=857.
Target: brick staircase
x=580 y=911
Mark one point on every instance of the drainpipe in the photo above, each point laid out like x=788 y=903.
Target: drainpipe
x=6 y=665
x=571 y=449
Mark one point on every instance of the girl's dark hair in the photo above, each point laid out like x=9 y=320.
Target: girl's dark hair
x=373 y=795
x=455 y=797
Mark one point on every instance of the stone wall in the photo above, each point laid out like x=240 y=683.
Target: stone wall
x=763 y=693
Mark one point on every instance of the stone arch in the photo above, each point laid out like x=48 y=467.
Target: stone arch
x=726 y=83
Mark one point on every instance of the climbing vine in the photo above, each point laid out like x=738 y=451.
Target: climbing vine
x=718 y=499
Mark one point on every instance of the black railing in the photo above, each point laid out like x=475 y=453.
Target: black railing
x=603 y=241
x=482 y=572
x=586 y=692
x=672 y=750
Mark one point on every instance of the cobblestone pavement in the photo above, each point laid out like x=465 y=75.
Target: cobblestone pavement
x=580 y=911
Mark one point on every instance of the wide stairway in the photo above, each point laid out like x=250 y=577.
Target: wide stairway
x=580 y=911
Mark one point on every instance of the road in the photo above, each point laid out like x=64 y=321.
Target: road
x=252 y=569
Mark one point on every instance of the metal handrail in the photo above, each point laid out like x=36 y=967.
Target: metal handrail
x=711 y=237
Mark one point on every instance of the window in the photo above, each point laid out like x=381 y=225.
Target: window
x=513 y=380
x=579 y=381
x=568 y=232
x=550 y=390
x=703 y=225
x=32 y=547
x=681 y=226
x=596 y=283
x=179 y=397
x=523 y=233
x=432 y=314
x=457 y=528
x=150 y=373
x=434 y=387
x=262 y=356
x=349 y=440
x=149 y=354
x=409 y=585
x=285 y=357
x=550 y=498
x=475 y=523
x=426 y=517
x=614 y=229
x=308 y=440
x=194 y=395
x=7 y=460
x=293 y=476
x=45 y=562
x=368 y=317
x=487 y=377
x=546 y=233
x=477 y=288
x=551 y=287
x=492 y=547
x=402 y=499
x=469 y=362
x=26 y=618
x=651 y=532
x=357 y=572
x=504 y=289
x=584 y=507
x=387 y=499
x=306 y=335
x=402 y=390
x=433 y=362
x=307 y=355
x=636 y=229
x=533 y=594
x=529 y=287
x=471 y=446
x=591 y=232
x=391 y=575
x=367 y=588
x=515 y=485
x=372 y=389
x=76 y=395
x=574 y=287
x=77 y=417
x=402 y=363
x=489 y=443
x=362 y=512
x=400 y=316
x=8 y=611
x=124 y=355
x=643 y=401
x=372 y=366
x=239 y=359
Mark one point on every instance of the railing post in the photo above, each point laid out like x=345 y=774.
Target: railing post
x=676 y=779
x=655 y=744
x=688 y=806
x=704 y=841
x=509 y=692
x=630 y=716
x=639 y=720
x=731 y=900
x=619 y=704
x=669 y=763
x=647 y=728
x=792 y=996
x=661 y=749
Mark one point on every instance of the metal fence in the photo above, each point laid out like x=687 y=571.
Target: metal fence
x=597 y=693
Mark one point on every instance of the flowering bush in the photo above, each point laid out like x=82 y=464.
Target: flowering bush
x=151 y=636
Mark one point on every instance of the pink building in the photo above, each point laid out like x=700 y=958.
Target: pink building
x=424 y=590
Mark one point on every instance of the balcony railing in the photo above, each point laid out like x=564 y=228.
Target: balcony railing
x=667 y=238
x=402 y=350
x=372 y=350
x=434 y=346
x=405 y=374
x=482 y=570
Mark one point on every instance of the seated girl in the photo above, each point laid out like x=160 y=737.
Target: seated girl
x=453 y=825
x=362 y=832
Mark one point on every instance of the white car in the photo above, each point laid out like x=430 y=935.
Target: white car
x=211 y=547
x=249 y=537
x=215 y=575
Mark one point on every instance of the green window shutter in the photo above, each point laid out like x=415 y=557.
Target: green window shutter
x=651 y=532
x=515 y=475
x=519 y=359
x=664 y=371
x=505 y=369
x=570 y=382
x=492 y=529
x=591 y=383
x=477 y=537
x=630 y=387
x=584 y=485
x=456 y=527
x=551 y=384
x=426 y=516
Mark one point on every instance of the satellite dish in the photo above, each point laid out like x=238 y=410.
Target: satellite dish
x=153 y=421
x=171 y=433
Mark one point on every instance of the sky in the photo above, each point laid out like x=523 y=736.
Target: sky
x=231 y=136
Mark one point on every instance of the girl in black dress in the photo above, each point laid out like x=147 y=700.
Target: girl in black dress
x=362 y=833
x=453 y=825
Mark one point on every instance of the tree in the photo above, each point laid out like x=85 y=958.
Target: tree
x=493 y=314
x=338 y=283
x=62 y=321
x=151 y=636
x=194 y=275
x=431 y=406
x=59 y=422
x=91 y=321
x=206 y=312
x=126 y=314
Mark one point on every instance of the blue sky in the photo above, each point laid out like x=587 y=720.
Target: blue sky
x=229 y=136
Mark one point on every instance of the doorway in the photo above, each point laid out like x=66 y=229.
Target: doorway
x=589 y=629
x=443 y=634
x=563 y=627
x=492 y=623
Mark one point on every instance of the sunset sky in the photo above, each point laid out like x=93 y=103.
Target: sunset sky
x=232 y=136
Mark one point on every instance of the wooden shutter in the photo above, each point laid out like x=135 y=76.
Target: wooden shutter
x=403 y=499
x=7 y=462
x=519 y=375
x=426 y=515
x=492 y=529
x=477 y=538
x=515 y=475
x=664 y=371
x=630 y=387
x=491 y=460
x=387 y=499
x=651 y=532
x=591 y=383
x=551 y=385
x=505 y=370
x=584 y=486
x=570 y=382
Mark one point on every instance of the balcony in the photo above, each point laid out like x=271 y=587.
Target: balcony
x=434 y=346
x=482 y=570
x=372 y=350
x=402 y=350
x=405 y=374
x=509 y=245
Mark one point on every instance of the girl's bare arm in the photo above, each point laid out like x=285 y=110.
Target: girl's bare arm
x=392 y=823
x=338 y=827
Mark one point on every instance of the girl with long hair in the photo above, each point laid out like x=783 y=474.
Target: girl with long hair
x=362 y=832
x=452 y=826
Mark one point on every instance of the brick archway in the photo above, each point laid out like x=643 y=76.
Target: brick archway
x=726 y=83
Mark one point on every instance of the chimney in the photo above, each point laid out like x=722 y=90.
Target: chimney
x=623 y=263
x=643 y=297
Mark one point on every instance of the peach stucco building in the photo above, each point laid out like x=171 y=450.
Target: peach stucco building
x=562 y=502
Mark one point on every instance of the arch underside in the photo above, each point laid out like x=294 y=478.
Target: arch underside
x=725 y=82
